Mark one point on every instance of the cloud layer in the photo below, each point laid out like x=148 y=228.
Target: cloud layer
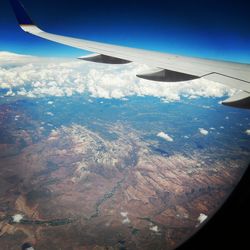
x=37 y=77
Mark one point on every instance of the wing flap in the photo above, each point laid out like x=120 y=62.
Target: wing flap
x=99 y=58
x=164 y=75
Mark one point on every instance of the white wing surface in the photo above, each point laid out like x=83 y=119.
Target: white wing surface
x=165 y=67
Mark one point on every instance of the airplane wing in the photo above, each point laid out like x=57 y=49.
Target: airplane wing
x=165 y=67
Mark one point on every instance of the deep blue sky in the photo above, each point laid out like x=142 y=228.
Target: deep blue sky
x=211 y=29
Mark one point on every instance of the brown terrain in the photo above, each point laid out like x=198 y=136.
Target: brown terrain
x=76 y=190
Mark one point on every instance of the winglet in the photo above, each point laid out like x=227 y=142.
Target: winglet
x=23 y=18
x=21 y=14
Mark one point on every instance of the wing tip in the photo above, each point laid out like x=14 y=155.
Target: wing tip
x=239 y=100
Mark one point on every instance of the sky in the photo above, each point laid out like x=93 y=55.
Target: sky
x=202 y=28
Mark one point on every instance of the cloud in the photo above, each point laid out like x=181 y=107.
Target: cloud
x=17 y=218
x=8 y=58
x=50 y=114
x=154 y=229
x=203 y=131
x=165 y=136
x=247 y=131
x=36 y=77
x=124 y=214
x=202 y=218
x=126 y=220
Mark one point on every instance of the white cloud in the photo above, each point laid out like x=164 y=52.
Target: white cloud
x=206 y=107
x=124 y=214
x=50 y=113
x=248 y=131
x=203 y=131
x=154 y=229
x=17 y=218
x=10 y=93
x=12 y=58
x=165 y=136
x=126 y=220
x=202 y=218
x=17 y=117
x=37 y=77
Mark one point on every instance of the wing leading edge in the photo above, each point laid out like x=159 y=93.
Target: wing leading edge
x=166 y=67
